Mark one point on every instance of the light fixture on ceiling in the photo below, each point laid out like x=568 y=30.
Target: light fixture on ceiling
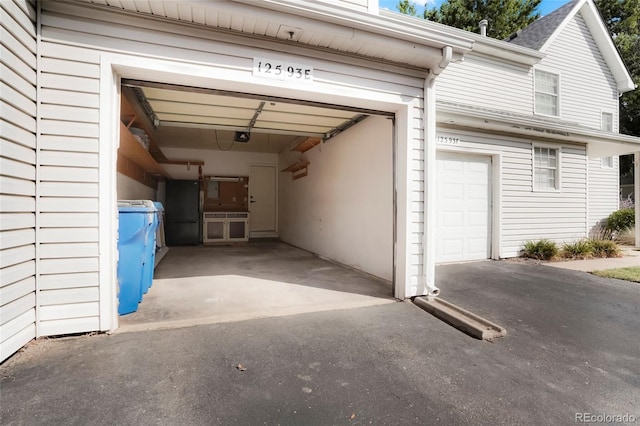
x=242 y=137
x=224 y=178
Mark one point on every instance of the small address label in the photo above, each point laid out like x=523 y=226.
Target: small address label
x=447 y=140
x=281 y=70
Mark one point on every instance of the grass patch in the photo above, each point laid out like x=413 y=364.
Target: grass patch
x=628 y=274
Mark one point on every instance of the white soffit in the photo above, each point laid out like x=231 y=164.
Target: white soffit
x=311 y=24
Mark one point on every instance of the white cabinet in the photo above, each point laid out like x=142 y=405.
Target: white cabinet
x=219 y=227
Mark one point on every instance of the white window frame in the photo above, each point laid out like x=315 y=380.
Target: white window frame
x=602 y=123
x=606 y=162
x=557 y=95
x=558 y=169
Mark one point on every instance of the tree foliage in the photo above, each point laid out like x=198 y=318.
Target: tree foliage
x=407 y=7
x=622 y=18
x=505 y=16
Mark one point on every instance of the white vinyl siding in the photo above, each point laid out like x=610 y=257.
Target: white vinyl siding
x=17 y=176
x=487 y=83
x=603 y=191
x=68 y=188
x=546 y=168
x=588 y=87
x=73 y=42
x=526 y=214
x=547 y=93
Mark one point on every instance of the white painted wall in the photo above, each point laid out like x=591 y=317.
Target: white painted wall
x=587 y=87
x=343 y=209
x=219 y=163
x=131 y=189
x=18 y=286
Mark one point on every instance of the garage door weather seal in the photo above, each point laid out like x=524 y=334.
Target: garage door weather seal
x=465 y=321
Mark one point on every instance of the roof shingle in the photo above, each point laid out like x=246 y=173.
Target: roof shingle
x=535 y=35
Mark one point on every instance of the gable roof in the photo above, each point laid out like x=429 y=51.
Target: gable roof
x=536 y=34
x=540 y=34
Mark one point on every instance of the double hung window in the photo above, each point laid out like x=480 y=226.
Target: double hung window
x=546 y=168
x=547 y=93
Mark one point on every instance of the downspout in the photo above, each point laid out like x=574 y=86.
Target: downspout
x=429 y=232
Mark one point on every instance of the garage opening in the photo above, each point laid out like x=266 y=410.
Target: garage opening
x=272 y=206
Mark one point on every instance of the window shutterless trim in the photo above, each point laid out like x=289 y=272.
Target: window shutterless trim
x=557 y=95
x=558 y=168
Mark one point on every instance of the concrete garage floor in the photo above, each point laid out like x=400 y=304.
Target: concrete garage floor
x=211 y=284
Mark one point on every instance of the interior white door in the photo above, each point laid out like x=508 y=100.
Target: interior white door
x=463 y=211
x=262 y=200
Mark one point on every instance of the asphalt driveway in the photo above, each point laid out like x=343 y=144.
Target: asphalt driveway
x=572 y=347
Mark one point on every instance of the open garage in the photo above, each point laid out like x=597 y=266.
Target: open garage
x=254 y=189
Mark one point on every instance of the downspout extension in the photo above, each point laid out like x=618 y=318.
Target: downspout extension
x=429 y=234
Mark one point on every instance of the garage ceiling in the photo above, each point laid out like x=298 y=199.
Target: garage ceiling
x=201 y=119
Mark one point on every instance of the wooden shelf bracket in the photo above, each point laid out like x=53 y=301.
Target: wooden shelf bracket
x=298 y=170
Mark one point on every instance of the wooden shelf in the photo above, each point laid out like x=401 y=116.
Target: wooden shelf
x=298 y=170
x=132 y=115
x=131 y=149
x=306 y=144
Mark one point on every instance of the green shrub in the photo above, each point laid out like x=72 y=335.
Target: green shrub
x=621 y=220
x=542 y=250
x=605 y=248
x=581 y=249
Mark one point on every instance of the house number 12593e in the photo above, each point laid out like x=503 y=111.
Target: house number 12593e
x=280 y=70
x=448 y=140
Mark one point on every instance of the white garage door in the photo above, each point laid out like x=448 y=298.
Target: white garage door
x=463 y=211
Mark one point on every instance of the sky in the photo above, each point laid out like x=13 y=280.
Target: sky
x=545 y=7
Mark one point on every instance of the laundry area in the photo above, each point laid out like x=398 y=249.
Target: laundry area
x=266 y=206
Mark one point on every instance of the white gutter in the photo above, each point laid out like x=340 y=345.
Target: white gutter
x=485 y=45
x=429 y=231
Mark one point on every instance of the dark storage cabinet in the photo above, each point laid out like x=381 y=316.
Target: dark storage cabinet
x=182 y=213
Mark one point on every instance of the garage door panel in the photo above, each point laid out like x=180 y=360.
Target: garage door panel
x=478 y=219
x=478 y=191
x=453 y=219
x=453 y=191
x=451 y=246
x=463 y=211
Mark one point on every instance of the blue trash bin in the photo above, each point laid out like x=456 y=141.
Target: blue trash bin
x=150 y=247
x=135 y=219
